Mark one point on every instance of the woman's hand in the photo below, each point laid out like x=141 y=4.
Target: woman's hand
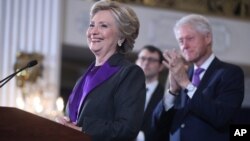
x=66 y=122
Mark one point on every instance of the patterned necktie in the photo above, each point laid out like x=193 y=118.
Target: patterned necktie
x=196 y=76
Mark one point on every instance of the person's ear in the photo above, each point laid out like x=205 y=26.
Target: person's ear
x=208 y=38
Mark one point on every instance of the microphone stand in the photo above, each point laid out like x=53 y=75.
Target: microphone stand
x=8 y=78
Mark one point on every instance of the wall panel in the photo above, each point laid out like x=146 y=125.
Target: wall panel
x=30 y=26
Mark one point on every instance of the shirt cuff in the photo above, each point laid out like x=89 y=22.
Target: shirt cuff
x=191 y=93
x=168 y=100
x=140 y=136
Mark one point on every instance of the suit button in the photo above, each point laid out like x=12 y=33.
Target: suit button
x=182 y=125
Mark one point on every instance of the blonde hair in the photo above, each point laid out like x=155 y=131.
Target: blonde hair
x=127 y=21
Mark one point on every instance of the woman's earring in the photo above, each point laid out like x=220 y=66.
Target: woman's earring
x=119 y=43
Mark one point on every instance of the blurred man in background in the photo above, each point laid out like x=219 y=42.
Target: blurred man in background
x=150 y=60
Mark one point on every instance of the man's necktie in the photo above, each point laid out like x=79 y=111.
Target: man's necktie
x=196 y=76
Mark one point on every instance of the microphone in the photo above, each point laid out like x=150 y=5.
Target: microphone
x=29 y=65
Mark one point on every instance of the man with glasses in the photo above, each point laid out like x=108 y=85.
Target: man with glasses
x=150 y=60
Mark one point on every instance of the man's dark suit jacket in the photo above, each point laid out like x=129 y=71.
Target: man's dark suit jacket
x=113 y=111
x=147 y=120
x=207 y=116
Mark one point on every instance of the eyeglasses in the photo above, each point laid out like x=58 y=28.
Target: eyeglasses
x=149 y=59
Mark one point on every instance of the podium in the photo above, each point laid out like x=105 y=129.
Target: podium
x=19 y=125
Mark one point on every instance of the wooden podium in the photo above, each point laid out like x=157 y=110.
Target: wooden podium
x=19 y=125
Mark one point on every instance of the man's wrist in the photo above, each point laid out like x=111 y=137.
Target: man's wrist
x=172 y=93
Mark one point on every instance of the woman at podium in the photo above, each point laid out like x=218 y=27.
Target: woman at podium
x=108 y=100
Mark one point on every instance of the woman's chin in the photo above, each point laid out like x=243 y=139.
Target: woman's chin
x=96 y=51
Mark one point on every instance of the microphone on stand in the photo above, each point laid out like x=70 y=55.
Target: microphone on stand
x=8 y=78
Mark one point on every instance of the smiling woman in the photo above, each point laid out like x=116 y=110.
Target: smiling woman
x=104 y=101
x=102 y=36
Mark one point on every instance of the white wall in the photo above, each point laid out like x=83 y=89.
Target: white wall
x=29 y=26
x=231 y=37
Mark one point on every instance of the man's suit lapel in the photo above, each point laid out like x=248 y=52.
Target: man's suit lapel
x=156 y=96
x=208 y=75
